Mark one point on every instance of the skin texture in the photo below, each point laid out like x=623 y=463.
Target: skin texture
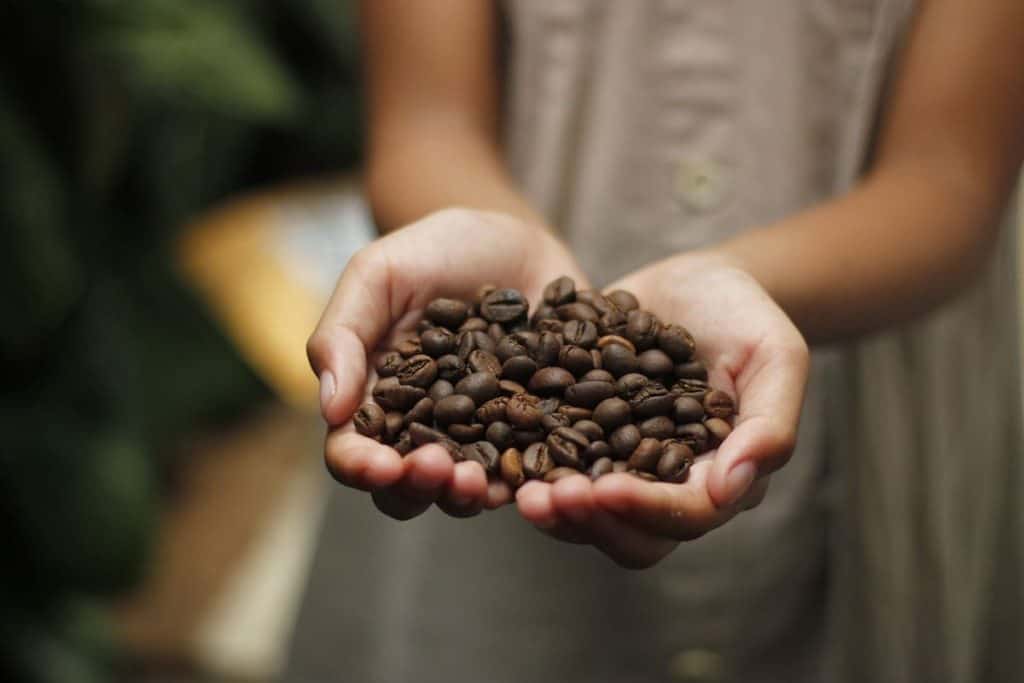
x=912 y=232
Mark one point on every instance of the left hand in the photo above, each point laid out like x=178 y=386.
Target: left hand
x=755 y=353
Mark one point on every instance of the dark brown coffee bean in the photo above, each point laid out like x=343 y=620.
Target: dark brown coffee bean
x=695 y=388
x=510 y=346
x=646 y=476
x=620 y=466
x=479 y=386
x=439 y=389
x=718 y=430
x=687 y=409
x=404 y=444
x=694 y=435
x=623 y=300
x=612 y=413
x=504 y=305
x=464 y=433
x=496 y=332
x=692 y=369
x=394 y=425
x=591 y=429
x=577 y=311
x=598 y=375
x=422 y=411
x=613 y=339
x=719 y=404
x=619 y=360
x=560 y=291
x=523 y=412
x=612 y=324
x=423 y=325
x=418 y=371
x=624 y=440
x=553 y=421
x=544 y=314
x=559 y=473
x=437 y=341
x=549 y=405
x=597 y=450
x=454 y=409
x=589 y=394
x=546 y=351
x=483 y=291
x=550 y=380
x=519 y=368
x=448 y=313
x=575 y=413
x=484 y=361
x=474 y=324
x=451 y=368
x=468 y=342
x=601 y=467
x=655 y=363
x=409 y=348
x=422 y=434
x=599 y=302
x=677 y=342
x=390 y=394
x=597 y=360
x=565 y=445
x=493 y=410
x=651 y=400
x=369 y=420
x=629 y=385
x=537 y=461
x=659 y=427
x=675 y=461
x=482 y=452
x=523 y=438
x=500 y=434
x=510 y=465
x=575 y=359
x=646 y=455
x=580 y=333
x=553 y=325
x=642 y=329
x=509 y=388
x=388 y=363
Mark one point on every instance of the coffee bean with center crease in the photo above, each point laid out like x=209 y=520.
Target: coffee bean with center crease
x=484 y=361
x=695 y=388
x=623 y=300
x=448 y=313
x=388 y=363
x=598 y=450
x=553 y=421
x=493 y=410
x=550 y=380
x=642 y=329
x=624 y=440
x=547 y=349
x=523 y=412
x=437 y=341
x=468 y=342
x=687 y=409
x=591 y=429
x=599 y=302
x=544 y=313
x=369 y=420
x=575 y=359
x=619 y=360
x=694 y=435
x=484 y=453
x=519 y=368
x=422 y=411
x=601 y=467
x=610 y=339
x=675 y=461
x=500 y=434
x=464 y=433
x=479 y=386
x=454 y=409
x=474 y=324
x=504 y=305
x=549 y=404
x=719 y=404
x=510 y=346
x=549 y=325
x=537 y=461
x=418 y=371
x=565 y=445
x=575 y=413
x=391 y=394
x=659 y=427
x=692 y=369
x=612 y=323
x=655 y=363
x=511 y=467
x=718 y=430
x=581 y=333
x=646 y=455
x=589 y=394
x=651 y=400
x=612 y=413
x=560 y=291
x=451 y=368
x=677 y=342
x=577 y=311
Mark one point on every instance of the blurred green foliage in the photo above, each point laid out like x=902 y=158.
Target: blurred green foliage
x=120 y=120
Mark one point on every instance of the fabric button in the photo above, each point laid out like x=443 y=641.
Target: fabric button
x=697 y=665
x=702 y=185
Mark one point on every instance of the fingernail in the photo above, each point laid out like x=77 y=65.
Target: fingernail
x=327 y=389
x=738 y=480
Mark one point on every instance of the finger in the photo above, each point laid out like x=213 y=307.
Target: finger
x=466 y=493
x=573 y=499
x=498 y=494
x=427 y=472
x=628 y=545
x=771 y=390
x=359 y=462
x=534 y=502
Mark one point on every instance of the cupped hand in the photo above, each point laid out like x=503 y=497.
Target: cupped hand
x=378 y=300
x=752 y=351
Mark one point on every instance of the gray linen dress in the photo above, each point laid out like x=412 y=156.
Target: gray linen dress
x=648 y=128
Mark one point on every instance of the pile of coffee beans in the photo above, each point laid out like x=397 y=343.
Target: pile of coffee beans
x=589 y=383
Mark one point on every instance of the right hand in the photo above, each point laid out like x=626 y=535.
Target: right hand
x=378 y=300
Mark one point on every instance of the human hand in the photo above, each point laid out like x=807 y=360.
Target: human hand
x=378 y=300
x=754 y=353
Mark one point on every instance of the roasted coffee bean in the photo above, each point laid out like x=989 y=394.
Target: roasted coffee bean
x=677 y=342
x=565 y=445
x=549 y=325
x=718 y=429
x=687 y=409
x=692 y=369
x=559 y=473
x=483 y=291
x=422 y=411
x=523 y=438
x=437 y=341
x=598 y=375
x=484 y=361
x=623 y=300
x=468 y=342
x=646 y=476
x=553 y=421
x=620 y=466
x=612 y=413
x=404 y=444
x=629 y=385
x=508 y=388
x=601 y=467
x=418 y=371
x=510 y=466
x=694 y=435
x=597 y=450
x=550 y=380
x=439 y=389
x=596 y=360
x=575 y=413
x=423 y=325
x=675 y=461
x=484 y=453
x=613 y=339
x=503 y=306
x=548 y=346
x=451 y=368
x=624 y=440
x=510 y=346
x=493 y=410
x=369 y=420
x=464 y=433
x=537 y=461
x=655 y=363
x=575 y=359
x=422 y=434
x=560 y=291
x=659 y=427
x=599 y=302
x=448 y=313
x=695 y=388
x=589 y=394
x=390 y=394
x=496 y=332
x=454 y=409
x=591 y=429
x=474 y=324
x=549 y=405
x=642 y=329
x=500 y=434
x=619 y=360
x=394 y=425
x=543 y=314
x=388 y=363
x=522 y=411
x=479 y=386
x=651 y=400
x=580 y=333
x=646 y=455
x=577 y=311
x=719 y=404
x=612 y=323
x=519 y=368
x=409 y=347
